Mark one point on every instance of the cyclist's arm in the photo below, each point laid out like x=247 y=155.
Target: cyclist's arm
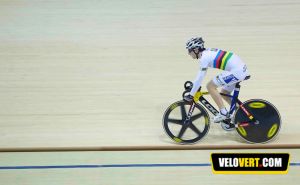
x=197 y=82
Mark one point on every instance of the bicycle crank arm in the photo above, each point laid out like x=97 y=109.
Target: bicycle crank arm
x=246 y=124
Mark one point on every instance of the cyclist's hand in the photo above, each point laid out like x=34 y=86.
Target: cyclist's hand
x=188 y=98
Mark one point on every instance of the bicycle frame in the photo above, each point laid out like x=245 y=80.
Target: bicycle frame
x=234 y=100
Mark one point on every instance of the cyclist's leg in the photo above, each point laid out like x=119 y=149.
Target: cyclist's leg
x=223 y=113
x=212 y=89
x=227 y=88
x=216 y=82
x=225 y=91
x=227 y=81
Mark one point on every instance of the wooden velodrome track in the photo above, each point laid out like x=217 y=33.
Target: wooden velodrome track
x=97 y=75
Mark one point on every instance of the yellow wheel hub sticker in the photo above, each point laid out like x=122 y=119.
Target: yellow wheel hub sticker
x=257 y=105
x=272 y=130
x=242 y=131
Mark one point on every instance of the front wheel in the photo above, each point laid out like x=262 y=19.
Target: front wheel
x=267 y=125
x=184 y=131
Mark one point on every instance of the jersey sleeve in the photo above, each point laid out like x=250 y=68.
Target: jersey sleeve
x=197 y=82
x=204 y=62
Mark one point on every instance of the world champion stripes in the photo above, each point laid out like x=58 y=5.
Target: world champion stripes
x=221 y=59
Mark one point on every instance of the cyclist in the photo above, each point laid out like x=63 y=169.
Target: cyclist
x=234 y=68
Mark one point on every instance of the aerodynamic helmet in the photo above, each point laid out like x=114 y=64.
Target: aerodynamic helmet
x=196 y=42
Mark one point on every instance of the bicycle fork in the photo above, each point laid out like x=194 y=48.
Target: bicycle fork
x=189 y=115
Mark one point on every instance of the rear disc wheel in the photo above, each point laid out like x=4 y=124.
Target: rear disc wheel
x=267 y=127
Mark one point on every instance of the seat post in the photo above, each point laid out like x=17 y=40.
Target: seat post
x=234 y=97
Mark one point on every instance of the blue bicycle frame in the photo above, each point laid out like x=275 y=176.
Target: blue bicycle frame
x=234 y=101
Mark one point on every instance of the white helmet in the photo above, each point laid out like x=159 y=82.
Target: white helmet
x=196 y=42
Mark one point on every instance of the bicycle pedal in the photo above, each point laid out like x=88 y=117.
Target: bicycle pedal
x=228 y=126
x=228 y=120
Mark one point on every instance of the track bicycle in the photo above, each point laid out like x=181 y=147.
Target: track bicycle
x=255 y=120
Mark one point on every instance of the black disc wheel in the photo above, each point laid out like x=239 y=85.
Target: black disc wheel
x=267 y=123
x=184 y=131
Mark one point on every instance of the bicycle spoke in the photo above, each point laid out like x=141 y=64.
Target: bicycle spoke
x=195 y=129
x=197 y=116
x=183 y=112
x=176 y=121
x=182 y=131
